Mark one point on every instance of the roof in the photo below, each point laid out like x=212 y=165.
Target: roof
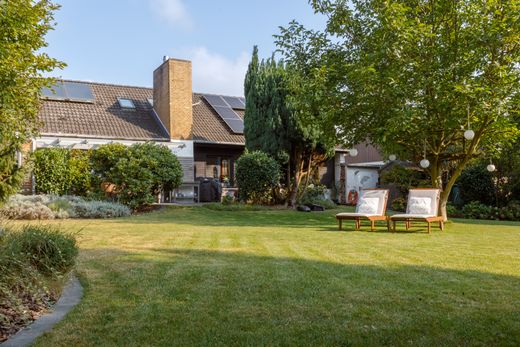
x=106 y=119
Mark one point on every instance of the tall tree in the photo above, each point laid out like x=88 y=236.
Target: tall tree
x=274 y=123
x=23 y=26
x=413 y=75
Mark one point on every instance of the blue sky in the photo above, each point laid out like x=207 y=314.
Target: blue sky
x=123 y=41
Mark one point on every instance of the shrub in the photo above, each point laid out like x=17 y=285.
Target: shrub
x=453 y=211
x=51 y=171
x=256 y=175
x=476 y=210
x=511 y=211
x=476 y=184
x=228 y=200
x=62 y=171
x=47 y=249
x=315 y=195
x=399 y=205
x=138 y=172
x=99 y=209
x=30 y=258
x=26 y=210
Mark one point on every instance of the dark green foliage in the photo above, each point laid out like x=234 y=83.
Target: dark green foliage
x=511 y=211
x=62 y=171
x=277 y=123
x=399 y=205
x=239 y=207
x=23 y=27
x=409 y=75
x=477 y=210
x=47 y=249
x=405 y=178
x=476 y=184
x=30 y=259
x=315 y=195
x=256 y=174
x=51 y=171
x=139 y=172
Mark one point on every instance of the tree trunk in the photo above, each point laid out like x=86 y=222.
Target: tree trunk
x=436 y=177
x=297 y=178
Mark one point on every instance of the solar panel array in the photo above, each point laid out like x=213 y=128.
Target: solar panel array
x=225 y=106
x=69 y=91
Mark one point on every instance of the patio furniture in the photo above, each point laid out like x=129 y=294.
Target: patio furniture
x=423 y=206
x=371 y=206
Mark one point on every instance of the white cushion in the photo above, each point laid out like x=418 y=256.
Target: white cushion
x=368 y=206
x=420 y=206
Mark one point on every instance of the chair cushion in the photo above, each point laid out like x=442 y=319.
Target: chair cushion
x=421 y=206
x=368 y=206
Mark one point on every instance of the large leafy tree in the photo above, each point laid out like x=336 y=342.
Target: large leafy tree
x=23 y=25
x=277 y=122
x=412 y=75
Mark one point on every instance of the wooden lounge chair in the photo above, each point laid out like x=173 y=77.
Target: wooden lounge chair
x=423 y=206
x=371 y=206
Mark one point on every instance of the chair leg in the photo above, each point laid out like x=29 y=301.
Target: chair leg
x=429 y=228
x=372 y=225
x=407 y=224
x=394 y=225
x=441 y=225
x=358 y=224
x=339 y=223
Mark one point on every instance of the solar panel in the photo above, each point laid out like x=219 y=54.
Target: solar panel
x=223 y=106
x=78 y=91
x=234 y=102
x=72 y=91
x=237 y=125
x=56 y=92
x=215 y=100
x=226 y=112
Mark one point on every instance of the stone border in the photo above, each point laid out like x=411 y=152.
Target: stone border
x=70 y=297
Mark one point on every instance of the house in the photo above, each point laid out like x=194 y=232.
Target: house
x=205 y=131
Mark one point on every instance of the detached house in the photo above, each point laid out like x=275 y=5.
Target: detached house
x=205 y=131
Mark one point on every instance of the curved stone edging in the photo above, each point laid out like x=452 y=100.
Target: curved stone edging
x=70 y=297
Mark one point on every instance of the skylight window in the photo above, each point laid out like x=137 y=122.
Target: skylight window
x=126 y=103
x=150 y=101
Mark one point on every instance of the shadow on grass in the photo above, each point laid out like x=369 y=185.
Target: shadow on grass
x=185 y=297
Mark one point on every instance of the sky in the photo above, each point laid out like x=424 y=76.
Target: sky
x=123 y=41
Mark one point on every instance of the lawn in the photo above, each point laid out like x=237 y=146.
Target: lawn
x=193 y=276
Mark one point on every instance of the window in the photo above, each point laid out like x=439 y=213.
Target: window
x=126 y=103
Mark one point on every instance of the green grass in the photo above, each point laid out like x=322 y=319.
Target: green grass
x=195 y=276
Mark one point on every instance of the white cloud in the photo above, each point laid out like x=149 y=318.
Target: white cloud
x=172 y=11
x=216 y=74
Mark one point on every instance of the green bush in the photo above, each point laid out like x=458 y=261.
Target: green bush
x=477 y=210
x=476 y=184
x=256 y=175
x=453 y=211
x=62 y=171
x=315 y=195
x=228 y=200
x=51 y=171
x=30 y=259
x=511 y=211
x=139 y=172
x=399 y=205
x=46 y=248
x=99 y=209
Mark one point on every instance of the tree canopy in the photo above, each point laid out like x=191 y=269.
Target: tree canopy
x=23 y=26
x=411 y=76
x=280 y=120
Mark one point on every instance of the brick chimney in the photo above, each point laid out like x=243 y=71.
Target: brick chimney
x=172 y=97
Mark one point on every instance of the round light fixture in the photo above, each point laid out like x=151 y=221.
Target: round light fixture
x=469 y=134
x=491 y=168
x=392 y=157
x=353 y=152
x=424 y=163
